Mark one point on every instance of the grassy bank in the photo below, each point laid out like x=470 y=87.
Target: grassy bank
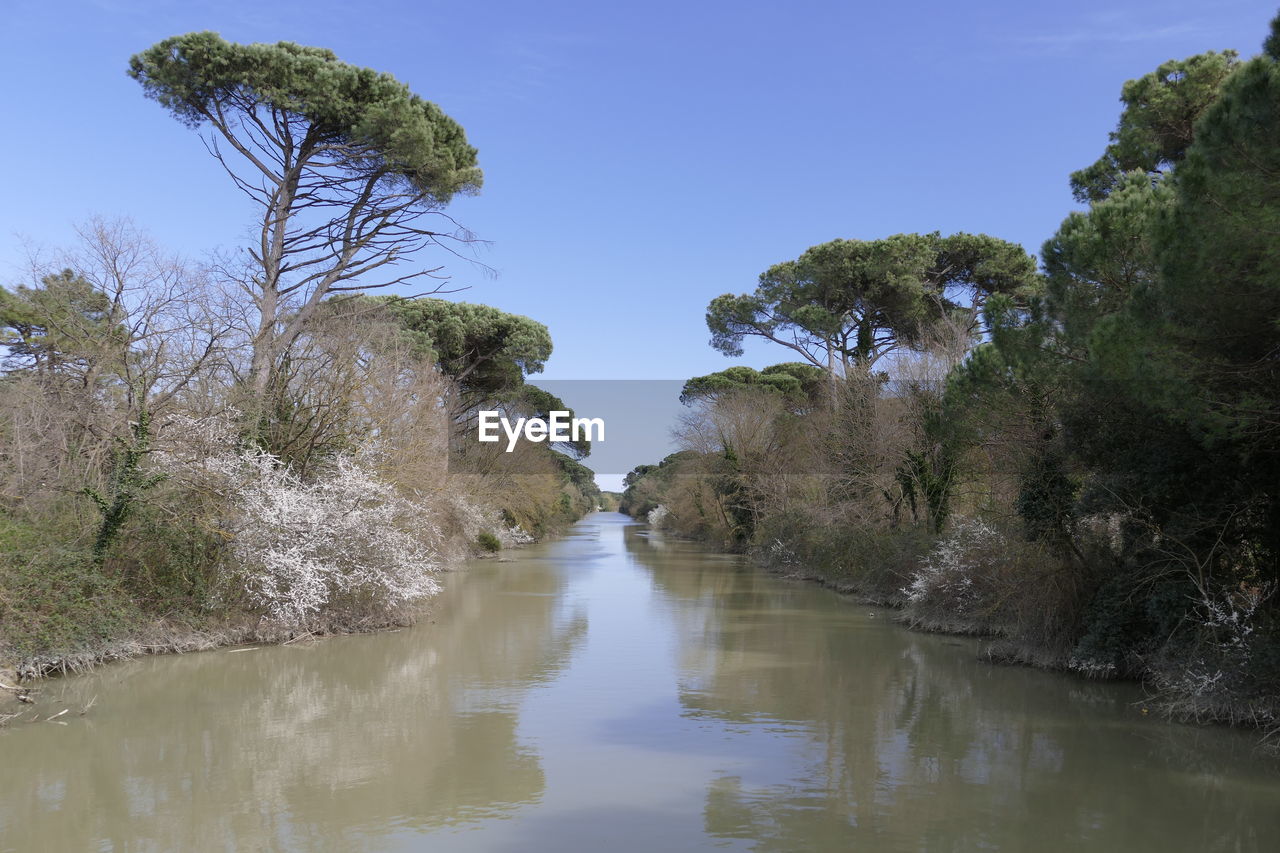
x=277 y=560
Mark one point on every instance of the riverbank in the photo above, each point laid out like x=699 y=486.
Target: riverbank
x=137 y=635
x=896 y=584
x=20 y=676
x=64 y=610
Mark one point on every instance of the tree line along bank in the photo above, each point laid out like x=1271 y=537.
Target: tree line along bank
x=1079 y=457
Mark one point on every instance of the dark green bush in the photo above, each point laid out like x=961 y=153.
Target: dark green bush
x=57 y=600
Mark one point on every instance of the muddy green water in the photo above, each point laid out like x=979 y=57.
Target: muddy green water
x=614 y=691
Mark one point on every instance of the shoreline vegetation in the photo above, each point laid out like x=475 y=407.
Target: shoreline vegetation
x=20 y=677
x=264 y=446
x=1076 y=455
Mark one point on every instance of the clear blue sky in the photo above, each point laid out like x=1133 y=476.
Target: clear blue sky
x=639 y=158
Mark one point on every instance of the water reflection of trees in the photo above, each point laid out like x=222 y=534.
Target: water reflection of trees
x=880 y=736
x=324 y=747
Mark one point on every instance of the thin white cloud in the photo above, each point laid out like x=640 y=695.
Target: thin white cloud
x=1120 y=34
x=1117 y=27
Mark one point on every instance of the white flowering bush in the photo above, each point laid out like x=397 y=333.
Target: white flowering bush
x=657 y=516
x=339 y=541
x=514 y=535
x=1229 y=616
x=958 y=574
x=1227 y=620
x=780 y=554
x=1091 y=668
x=468 y=519
x=342 y=541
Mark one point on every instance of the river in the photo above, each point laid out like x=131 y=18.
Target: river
x=617 y=691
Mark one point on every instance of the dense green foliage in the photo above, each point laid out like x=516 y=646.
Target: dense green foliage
x=374 y=123
x=1158 y=122
x=846 y=303
x=798 y=383
x=485 y=350
x=60 y=324
x=55 y=597
x=487 y=353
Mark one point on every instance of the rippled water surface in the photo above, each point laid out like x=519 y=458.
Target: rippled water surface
x=621 y=692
